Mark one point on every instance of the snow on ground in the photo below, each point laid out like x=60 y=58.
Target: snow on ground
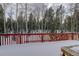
x=36 y=49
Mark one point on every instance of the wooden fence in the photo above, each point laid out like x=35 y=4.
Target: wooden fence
x=9 y=39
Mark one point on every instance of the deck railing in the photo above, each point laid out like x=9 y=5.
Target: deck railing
x=9 y=39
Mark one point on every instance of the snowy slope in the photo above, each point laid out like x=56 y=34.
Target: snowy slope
x=36 y=49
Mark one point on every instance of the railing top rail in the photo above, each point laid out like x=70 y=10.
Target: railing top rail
x=24 y=34
x=34 y=34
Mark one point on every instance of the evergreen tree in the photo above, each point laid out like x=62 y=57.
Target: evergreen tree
x=8 y=25
x=30 y=23
x=1 y=19
x=76 y=17
x=20 y=22
x=50 y=20
x=14 y=26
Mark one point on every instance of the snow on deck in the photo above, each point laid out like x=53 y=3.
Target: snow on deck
x=36 y=49
x=76 y=49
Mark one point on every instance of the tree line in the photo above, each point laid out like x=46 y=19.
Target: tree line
x=52 y=21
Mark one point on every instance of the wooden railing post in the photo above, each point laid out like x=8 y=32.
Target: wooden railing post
x=0 y=40
x=42 y=38
x=72 y=36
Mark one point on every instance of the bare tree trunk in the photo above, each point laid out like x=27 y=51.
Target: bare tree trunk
x=4 y=19
x=11 y=21
x=26 y=16
x=16 y=15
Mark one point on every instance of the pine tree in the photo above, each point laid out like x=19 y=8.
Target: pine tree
x=1 y=19
x=20 y=22
x=8 y=25
x=49 y=18
x=30 y=23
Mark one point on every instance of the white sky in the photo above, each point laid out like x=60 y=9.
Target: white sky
x=54 y=5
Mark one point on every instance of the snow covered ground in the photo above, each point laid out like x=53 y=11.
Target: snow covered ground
x=36 y=49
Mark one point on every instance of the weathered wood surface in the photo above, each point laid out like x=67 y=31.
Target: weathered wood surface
x=67 y=51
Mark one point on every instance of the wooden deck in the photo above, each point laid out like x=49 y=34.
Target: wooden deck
x=67 y=51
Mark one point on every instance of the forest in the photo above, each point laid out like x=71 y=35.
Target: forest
x=39 y=17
